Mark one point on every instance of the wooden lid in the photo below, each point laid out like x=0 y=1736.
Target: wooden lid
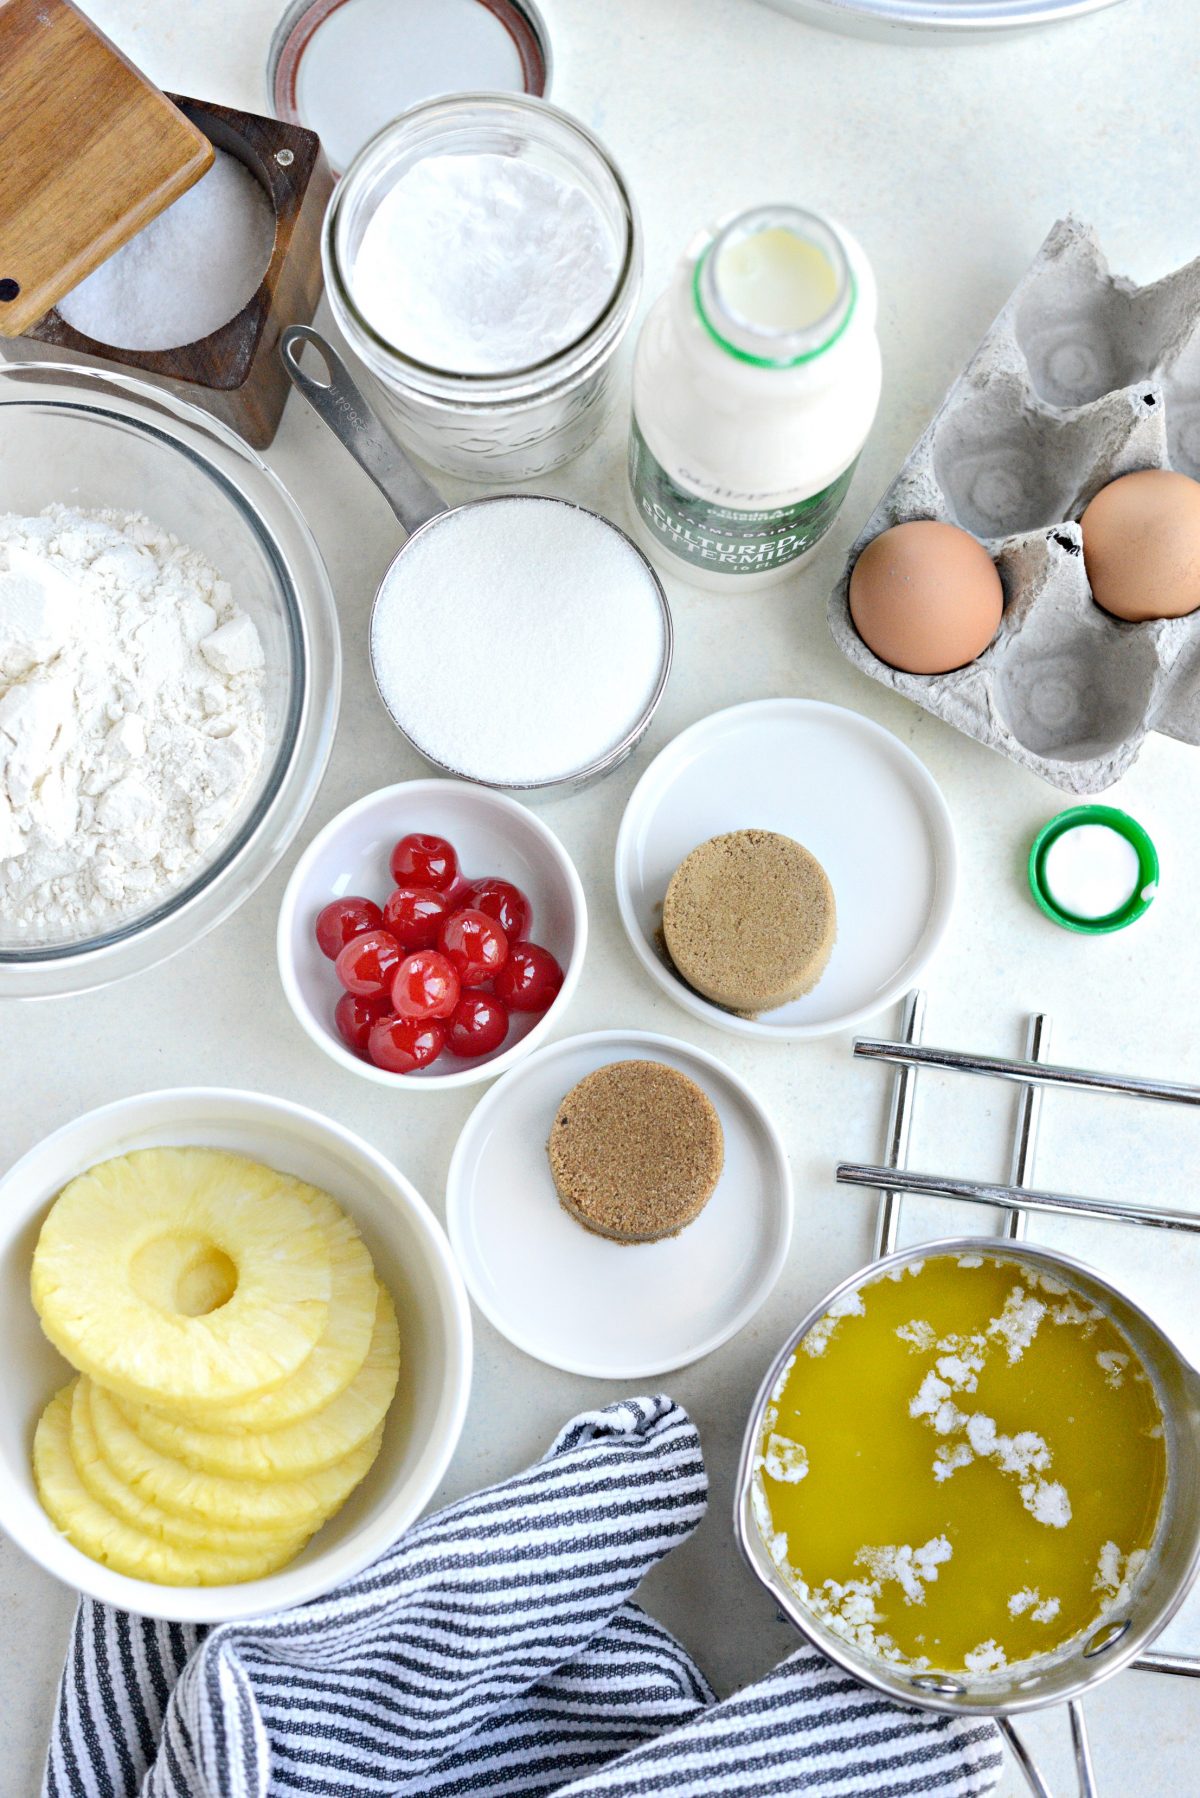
x=90 y=152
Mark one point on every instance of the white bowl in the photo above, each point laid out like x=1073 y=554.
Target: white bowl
x=413 y=1259
x=847 y=789
x=493 y=835
x=614 y=1310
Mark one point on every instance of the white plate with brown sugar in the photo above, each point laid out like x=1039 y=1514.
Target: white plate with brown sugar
x=845 y=789
x=578 y=1300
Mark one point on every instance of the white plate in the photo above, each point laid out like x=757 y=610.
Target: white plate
x=848 y=790
x=616 y=1311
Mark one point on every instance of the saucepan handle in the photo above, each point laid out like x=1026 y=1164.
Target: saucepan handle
x=349 y=416
x=1084 y=1770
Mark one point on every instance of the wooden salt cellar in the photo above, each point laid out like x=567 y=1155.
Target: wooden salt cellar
x=235 y=372
x=92 y=151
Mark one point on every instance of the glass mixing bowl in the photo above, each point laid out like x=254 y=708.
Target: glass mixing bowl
x=93 y=439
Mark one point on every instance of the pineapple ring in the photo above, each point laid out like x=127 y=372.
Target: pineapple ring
x=295 y=1449
x=228 y=1503
x=338 y=1353
x=106 y=1226
x=96 y=1533
x=126 y=1504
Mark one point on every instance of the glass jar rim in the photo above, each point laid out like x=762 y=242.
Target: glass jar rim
x=448 y=381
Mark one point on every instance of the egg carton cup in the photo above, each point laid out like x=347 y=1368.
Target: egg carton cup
x=1082 y=377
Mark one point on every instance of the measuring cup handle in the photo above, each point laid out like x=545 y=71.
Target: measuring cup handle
x=349 y=416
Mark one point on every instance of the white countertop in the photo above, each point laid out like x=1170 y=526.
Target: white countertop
x=950 y=165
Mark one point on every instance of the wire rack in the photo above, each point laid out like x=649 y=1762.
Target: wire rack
x=1018 y=1198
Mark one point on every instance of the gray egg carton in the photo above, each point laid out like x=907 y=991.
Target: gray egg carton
x=1082 y=377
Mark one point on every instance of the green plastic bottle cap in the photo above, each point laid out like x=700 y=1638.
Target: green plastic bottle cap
x=1142 y=896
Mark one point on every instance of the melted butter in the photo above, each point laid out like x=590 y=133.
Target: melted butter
x=964 y=1467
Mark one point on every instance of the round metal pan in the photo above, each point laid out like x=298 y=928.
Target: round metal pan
x=940 y=21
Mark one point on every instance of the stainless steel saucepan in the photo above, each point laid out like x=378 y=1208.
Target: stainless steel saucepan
x=1160 y=1589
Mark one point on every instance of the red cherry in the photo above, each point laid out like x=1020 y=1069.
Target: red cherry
x=365 y=965
x=530 y=980
x=479 y=1025
x=401 y=1045
x=414 y=915
x=343 y=919
x=501 y=900
x=421 y=860
x=425 y=985
x=475 y=944
x=353 y=1016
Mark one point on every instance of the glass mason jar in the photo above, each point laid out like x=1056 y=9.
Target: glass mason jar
x=516 y=425
x=755 y=383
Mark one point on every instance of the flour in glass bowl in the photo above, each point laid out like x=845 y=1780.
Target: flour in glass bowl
x=483 y=264
x=132 y=720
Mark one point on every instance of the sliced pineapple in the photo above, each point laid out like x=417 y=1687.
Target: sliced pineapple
x=126 y=1503
x=129 y=1245
x=342 y=1346
x=105 y=1538
x=297 y=1449
x=230 y=1503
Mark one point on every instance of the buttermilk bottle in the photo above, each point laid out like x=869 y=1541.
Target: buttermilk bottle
x=755 y=385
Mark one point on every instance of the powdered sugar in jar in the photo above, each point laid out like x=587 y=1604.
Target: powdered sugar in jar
x=483 y=257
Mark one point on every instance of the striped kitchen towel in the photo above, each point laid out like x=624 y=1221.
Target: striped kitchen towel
x=494 y=1650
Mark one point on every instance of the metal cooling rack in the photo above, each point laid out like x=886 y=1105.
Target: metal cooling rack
x=893 y=1179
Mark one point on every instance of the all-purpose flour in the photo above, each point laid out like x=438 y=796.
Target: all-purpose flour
x=131 y=718
x=483 y=264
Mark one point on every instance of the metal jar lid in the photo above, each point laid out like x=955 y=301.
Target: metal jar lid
x=347 y=68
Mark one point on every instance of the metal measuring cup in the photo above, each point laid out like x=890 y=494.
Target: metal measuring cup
x=1160 y=1589
x=422 y=511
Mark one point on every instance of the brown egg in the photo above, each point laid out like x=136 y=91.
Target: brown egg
x=1141 y=545
x=925 y=597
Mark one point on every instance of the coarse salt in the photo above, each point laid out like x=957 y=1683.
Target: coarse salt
x=517 y=641
x=187 y=273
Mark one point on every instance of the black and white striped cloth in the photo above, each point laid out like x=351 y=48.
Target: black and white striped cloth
x=494 y=1650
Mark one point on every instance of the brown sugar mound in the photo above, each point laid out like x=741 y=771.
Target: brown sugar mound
x=749 y=920
x=636 y=1151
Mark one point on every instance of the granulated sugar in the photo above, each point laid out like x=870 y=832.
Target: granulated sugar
x=517 y=640
x=188 y=273
x=483 y=264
